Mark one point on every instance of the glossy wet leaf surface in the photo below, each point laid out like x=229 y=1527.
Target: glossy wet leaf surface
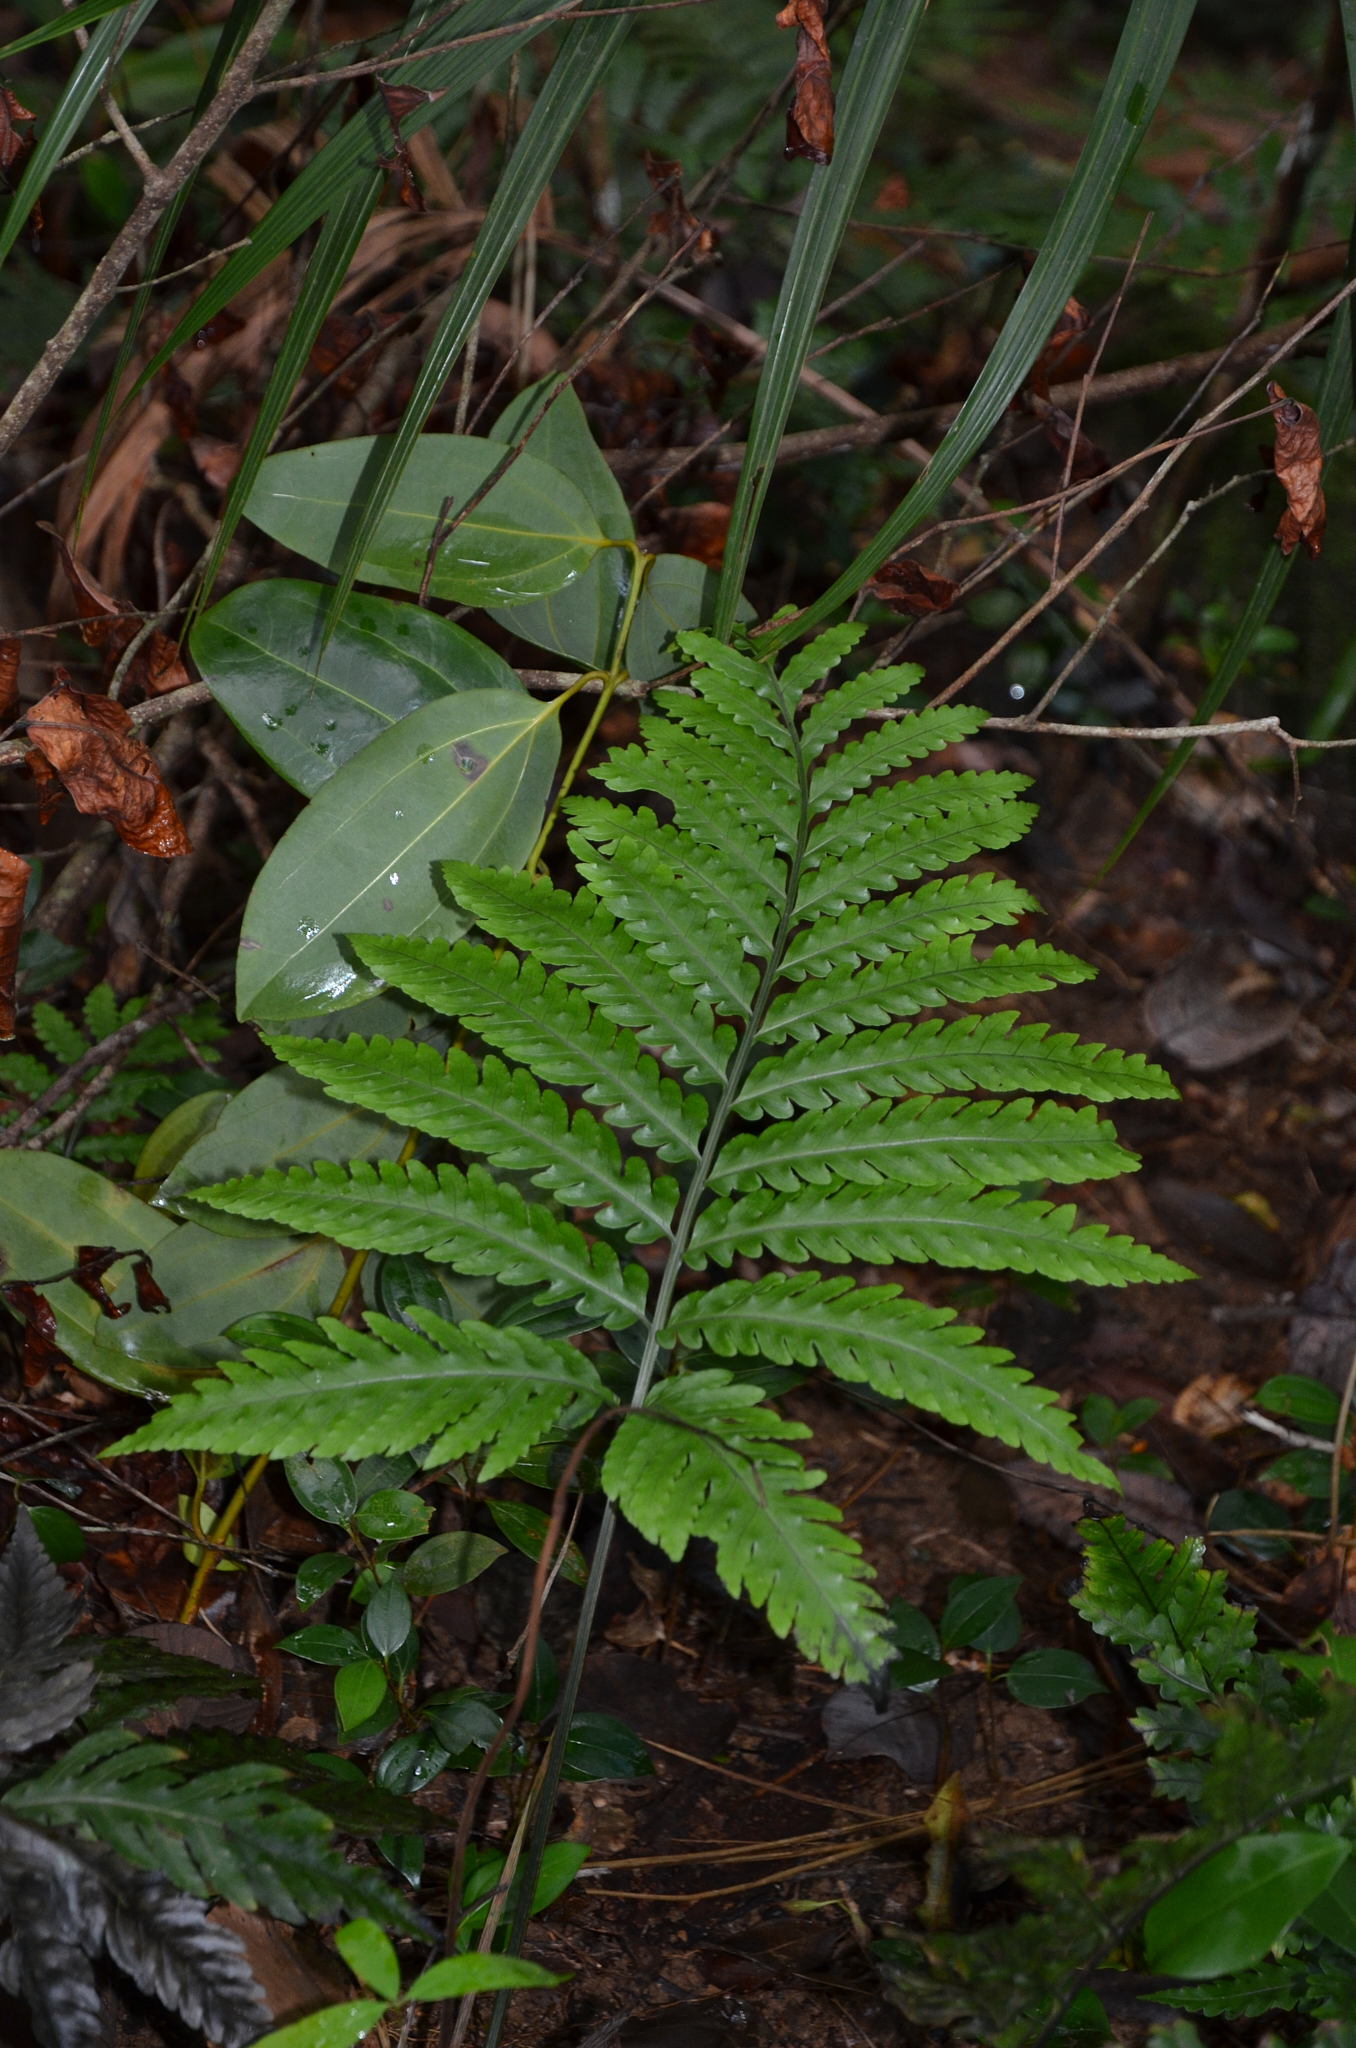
x=308 y=711
x=466 y=778
x=532 y=534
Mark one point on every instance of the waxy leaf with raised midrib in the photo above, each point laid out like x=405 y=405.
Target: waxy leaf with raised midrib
x=531 y=534
x=308 y=709
x=466 y=778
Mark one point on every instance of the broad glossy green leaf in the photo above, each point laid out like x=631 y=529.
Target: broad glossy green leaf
x=1332 y=1913
x=307 y=711
x=1053 y=1678
x=532 y=534
x=466 y=778
x=459 y=1976
x=317 y=1576
x=1144 y=58
x=679 y=594
x=334 y=2026
x=600 y=1746
x=976 y=1608
x=172 y=1136
x=526 y=1528
x=279 y=1120
x=564 y=439
x=1225 y=1916
x=359 y=1690
x=393 y=1515
x=582 y=620
x=323 y=1643
x=446 y=1562
x=325 y=1487
x=370 y=1956
x=59 y=1534
x=879 y=51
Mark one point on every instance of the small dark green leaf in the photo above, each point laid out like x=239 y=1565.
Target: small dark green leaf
x=679 y=593
x=60 y=1535
x=532 y=534
x=460 y=1976
x=306 y=711
x=404 y=1853
x=914 y=1669
x=381 y=1471
x=911 y=1628
x=323 y=1486
x=1333 y=1912
x=386 y=1624
x=370 y=1956
x=980 y=1613
x=334 y=2026
x=446 y=1562
x=526 y=1527
x=406 y=1280
x=1304 y=1400
x=461 y=1724
x=272 y=1332
x=411 y=1762
x=1237 y=1508
x=1226 y=1915
x=318 y=1574
x=600 y=1746
x=323 y=1643
x=359 y=1690
x=1052 y=1678
x=393 y=1516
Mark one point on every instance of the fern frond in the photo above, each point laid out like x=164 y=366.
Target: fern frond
x=925 y=1142
x=656 y=910
x=492 y=1109
x=580 y=938
x=903 y=1349
x=726 y=692
x=894 y=745
x=872 y=690
x=944 y=972
x=947 y=795
x=237 y=1832
x=903 y=852
x=467 y=1220
x=350 y=1394
x=997 y=1052
x=955 y=1226
x=705 y=1458
x=547 y=1025
x=676 y=765
x=728 y=868
x=1175 y=1618
x=934 y=910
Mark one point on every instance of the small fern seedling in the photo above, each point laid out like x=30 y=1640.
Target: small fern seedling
x=709 y=1049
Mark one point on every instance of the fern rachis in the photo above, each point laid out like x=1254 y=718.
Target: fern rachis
x=746 y=949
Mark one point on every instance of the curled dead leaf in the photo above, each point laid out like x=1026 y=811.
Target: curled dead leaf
x=1212 y=1404
x=151 y=1299
x=1089 y=460
x=1065 y=353
x=216 y=461
x=156 y=667
x=1299 y=465
x=809 y=120
x=11 y=649
x=906 y=586
x=105 y=619
x=107 y=772
x=12 y=118
x=14 y=874
x=41 y=1350
x=92 y=1261
x=674 y=219
x=699 y=531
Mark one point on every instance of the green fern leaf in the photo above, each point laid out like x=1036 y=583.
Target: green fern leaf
x=903 y=852
x=872 y=690
x=236 y=1831
x=350 y=1394
x=901 y=1348
x=467 y=1220
x=1271 y=1987
x=703 y=1458
x=676 y=765
x=1185 y=1637
x=730 y=692
x=944 y=972
x=934 y=910
x=947 y=795
x=728 y=868
x=493 y=1110
x=956 y=1226
x=549 y=1027
x=925 y=1142
x=997 y=1052
x=580 y=938
x=893 y=746
x=648 y=900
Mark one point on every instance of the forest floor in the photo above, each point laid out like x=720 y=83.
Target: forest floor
x=730 y=1897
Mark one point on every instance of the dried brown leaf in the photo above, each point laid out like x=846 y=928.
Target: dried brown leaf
x=41 y=1350
x=12 y=117
x=1089 y=460
x=216 y=461
x=1299 y=465
x=106 y=619
x=92 y=1261
x=1065 y=353
x=906 y=586
x=675 y=219
x=107 y=771
x=699 y=531
x=156 y=667
x=809 y=121
x=11 y=649
x=14 y=874
x=150 y=1299
x=45 y=780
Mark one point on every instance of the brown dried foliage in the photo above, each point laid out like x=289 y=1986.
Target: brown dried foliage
x=1299 y=465
x=14 y=874
x=1065 y=354
x=11 y=649
x=674 y=219
x=12 y=117
x=111 y=623
x=92 y=1261
x=41 y=1350
x=809 y=121
x=906 y=586
x=107 y=771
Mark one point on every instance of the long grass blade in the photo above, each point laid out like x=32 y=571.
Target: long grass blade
x=78 y=17
x=879 y=53
x=354 y=150
x=587 y=50
x=1143 y=63
x=326 y=271
x=69 y=111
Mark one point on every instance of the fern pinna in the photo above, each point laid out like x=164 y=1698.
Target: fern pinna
x=720 y=1002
